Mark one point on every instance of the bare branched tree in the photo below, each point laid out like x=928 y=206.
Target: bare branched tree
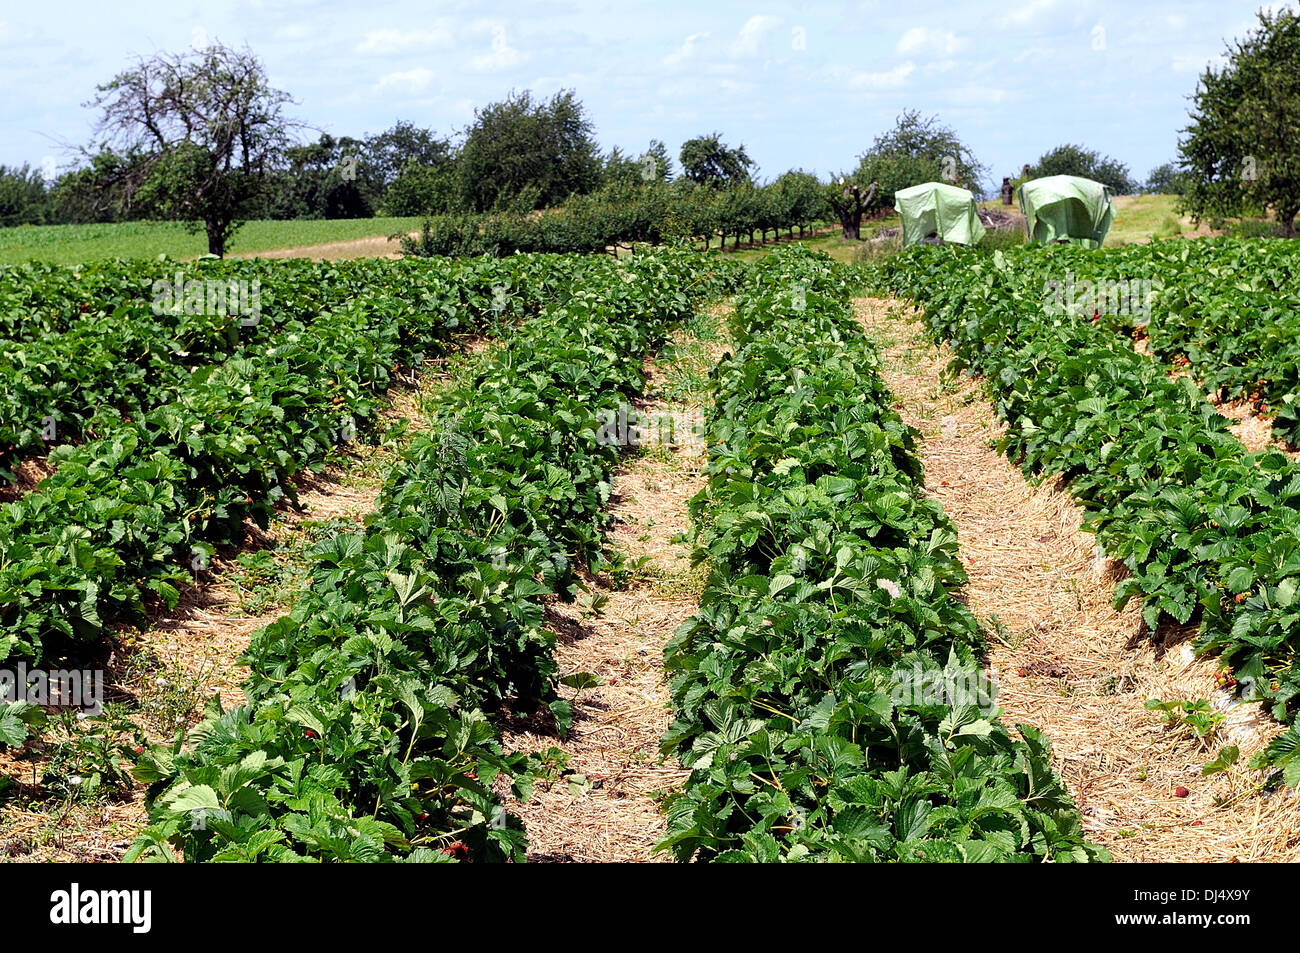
x=196 y=135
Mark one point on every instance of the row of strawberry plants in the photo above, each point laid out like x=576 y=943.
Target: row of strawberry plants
x=38 y=299
x=1226 y=310
x=118 y=357
x=367 y=734
x=829 y=695
x=1208 y=531
x=127 y=516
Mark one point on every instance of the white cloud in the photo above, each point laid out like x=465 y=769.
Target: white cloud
x=976 y=95
x=752 y=33
x=401 y=41
x=1022 y=15
x=677 y=89
x=940 y=66
x=412 y=81
x=890 y=79
x=502 y=56
x=684 y=52
x=1035 y=55
x=737 y=87
x=925 y=41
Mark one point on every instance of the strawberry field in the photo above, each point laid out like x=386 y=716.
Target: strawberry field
x=431 y=683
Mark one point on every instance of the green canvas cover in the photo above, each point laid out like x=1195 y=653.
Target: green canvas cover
x=1066 y=208
x=936 y=208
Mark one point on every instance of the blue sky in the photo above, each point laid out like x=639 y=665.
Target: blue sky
x=800 y=84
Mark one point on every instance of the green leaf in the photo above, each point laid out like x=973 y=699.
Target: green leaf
x=1225 y=759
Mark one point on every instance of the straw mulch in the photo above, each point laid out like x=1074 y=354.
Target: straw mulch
x=1063 y=659
x=1255 y=432
x=27 y=473
x=612 y=811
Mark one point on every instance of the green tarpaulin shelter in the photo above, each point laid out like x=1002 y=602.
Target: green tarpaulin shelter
x=1066 y=208
x=935 y=208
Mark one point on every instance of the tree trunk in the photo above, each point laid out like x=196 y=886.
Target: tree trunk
x=1288 y=222
x=216 y=242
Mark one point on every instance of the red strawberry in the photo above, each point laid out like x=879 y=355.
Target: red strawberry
x=1196 y=823
x=1181 y=791
x=457 y=850
x=1022 y=672
x=310 y=733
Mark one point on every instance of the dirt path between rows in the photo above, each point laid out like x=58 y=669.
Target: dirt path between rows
x=607 y=808
x=1063 y=659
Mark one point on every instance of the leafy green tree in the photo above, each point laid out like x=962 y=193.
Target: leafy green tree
x=652 y=166
x=390 y=153
x=662 y=168
x=23 y=198
x=707 y=160
x=1077 y=160
x=1166 y=179
x=423 y=190
x=325 y=179
x=519 y=152
x=85 y=194
x=803 y=200
x=1241 y=152
x=200 y=134
x=917 y=149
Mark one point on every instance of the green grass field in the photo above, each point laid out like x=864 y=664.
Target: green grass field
x=1140 y=218
x=71 y=244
